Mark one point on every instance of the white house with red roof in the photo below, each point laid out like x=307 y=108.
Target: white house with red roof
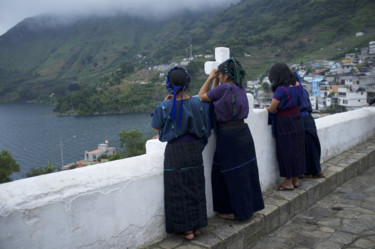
x=103 y=149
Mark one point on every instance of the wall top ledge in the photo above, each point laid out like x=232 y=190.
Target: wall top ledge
x=339 y=118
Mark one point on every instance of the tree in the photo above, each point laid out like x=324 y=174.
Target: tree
x=331 y=94
x=132 y=142
x=194 y=67
x=266 y=86
x=74 y=87
x=7 y=166
x=127 y=68
x=42 y=170
x=117 y=156
x=308 y=70
x=334 y=108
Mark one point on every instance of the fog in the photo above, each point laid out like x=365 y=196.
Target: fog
x=12 y=12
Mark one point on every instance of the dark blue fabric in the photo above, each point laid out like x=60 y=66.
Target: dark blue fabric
x=289 y=97
x=312 y=147
x=306 y=104
x=184 y=187
x=290 y=145
x=195 y=120
x=184 y=138
x=235 y=178
x=271 y=121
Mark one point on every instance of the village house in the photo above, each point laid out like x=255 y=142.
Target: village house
x=103 y=149
x=352 y=99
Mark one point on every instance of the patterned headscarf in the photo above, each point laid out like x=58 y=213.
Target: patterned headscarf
x=237 y=73
x=173 y=89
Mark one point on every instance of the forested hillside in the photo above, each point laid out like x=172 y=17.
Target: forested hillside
x=48 y=54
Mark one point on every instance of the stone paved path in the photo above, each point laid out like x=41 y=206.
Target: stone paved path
x=343 y=219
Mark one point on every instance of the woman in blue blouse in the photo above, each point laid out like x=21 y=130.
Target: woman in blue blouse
x=182 y=121
x=312 y=142
x=289 y=128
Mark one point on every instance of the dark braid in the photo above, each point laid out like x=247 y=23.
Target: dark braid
x=233 y=68
x=177 y=80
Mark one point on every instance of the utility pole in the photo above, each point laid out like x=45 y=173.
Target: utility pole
x=62 y=153
x=191 y=51
x=190 y=48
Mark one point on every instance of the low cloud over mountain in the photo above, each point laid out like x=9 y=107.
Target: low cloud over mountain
x=12 y=12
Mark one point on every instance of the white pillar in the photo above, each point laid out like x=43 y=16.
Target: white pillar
x=221 y=55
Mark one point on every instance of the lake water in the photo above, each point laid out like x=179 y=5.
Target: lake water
x=33 y=135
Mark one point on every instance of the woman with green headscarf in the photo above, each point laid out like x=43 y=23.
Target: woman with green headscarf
x=235 y=178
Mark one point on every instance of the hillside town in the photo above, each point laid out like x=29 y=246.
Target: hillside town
x=334 y=86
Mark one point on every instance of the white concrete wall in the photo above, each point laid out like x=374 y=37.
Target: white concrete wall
x=119 y=204
x=341 y=131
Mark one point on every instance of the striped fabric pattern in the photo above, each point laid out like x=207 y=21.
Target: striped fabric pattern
x=184 y=187
x=290 y=145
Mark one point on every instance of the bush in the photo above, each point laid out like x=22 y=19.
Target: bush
x=42 y=170
x=117 y=156
x=7 y=166
x=335 y=108
x=132 y=142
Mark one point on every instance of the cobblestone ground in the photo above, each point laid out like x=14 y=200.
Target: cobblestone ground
x=343 y=219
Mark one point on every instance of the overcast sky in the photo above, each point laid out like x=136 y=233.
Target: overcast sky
x=14 y=11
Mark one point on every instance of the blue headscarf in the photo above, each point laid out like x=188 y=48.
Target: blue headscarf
x=173 y=89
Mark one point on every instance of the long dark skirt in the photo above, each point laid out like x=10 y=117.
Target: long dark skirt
x=290 y=145
x=184 y=187
x=235 y=178
x=312 y=147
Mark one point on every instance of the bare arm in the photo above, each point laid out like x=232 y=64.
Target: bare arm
x=204 y=89
x=273 y=107
x=215 y=83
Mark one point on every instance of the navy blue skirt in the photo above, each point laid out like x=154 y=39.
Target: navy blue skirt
x=184 y=187
x=235 y=178
x=312 y=146
x=290 y=143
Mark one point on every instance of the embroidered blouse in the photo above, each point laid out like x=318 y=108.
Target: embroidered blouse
x=194 y=120
x=289 y=97
x=230 y=102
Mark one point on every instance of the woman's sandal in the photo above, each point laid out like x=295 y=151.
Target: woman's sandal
x=226 y=216
x=197 y=232
x=187 y=235
x=282 y=188
x=320 y=175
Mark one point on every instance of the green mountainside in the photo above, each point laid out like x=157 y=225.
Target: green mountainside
x=47 y=54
